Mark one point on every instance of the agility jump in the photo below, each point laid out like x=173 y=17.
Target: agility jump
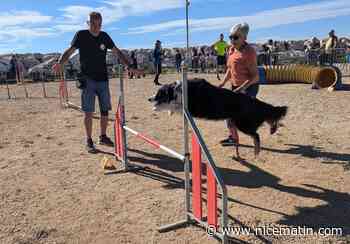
x=215 y=218
x=21 y=82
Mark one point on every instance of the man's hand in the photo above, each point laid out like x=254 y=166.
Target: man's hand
x=57 y=68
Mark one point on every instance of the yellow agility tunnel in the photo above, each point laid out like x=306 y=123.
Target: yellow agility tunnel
x=322 y=76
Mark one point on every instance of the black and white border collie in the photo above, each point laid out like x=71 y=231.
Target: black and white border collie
x=213 y=103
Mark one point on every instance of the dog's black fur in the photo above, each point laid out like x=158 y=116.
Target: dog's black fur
x=213 y=103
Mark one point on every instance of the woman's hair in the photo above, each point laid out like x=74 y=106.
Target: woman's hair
x=243 y=29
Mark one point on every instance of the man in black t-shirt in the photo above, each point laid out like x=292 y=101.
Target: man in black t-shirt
x=93 y=44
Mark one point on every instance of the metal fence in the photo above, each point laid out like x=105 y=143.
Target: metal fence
x=338 y=57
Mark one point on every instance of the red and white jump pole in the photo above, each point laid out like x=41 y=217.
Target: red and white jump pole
x=154 y=143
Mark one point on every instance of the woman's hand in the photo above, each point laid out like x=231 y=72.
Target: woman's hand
x=242 y=88
x=226 y=78
x=239 y=90
x=222 y=84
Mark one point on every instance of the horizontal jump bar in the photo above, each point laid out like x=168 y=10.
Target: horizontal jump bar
x=154 y=143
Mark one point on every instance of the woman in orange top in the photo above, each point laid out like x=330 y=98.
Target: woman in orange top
x=242 y=71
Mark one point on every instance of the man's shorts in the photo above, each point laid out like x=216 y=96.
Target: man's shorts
x=221 y=60
x=89 y=93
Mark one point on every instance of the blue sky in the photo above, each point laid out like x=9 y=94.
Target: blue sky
x=49 y=25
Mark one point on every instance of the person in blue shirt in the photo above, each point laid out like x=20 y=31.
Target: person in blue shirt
x=157 y=61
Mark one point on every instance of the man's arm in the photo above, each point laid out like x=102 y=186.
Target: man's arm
x=58 y=67
x=66 y=55
x=116 y=51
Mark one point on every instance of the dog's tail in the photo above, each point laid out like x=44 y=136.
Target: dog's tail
x=277 y=113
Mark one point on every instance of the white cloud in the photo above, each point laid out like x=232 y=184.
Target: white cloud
x=75 y=14
x=158 y=27
x=265 y=19
x=136 y=7
x=113 y=28
x=17 y=28
x=18 y=39
x=62 y=28
x=175 y=32
x=15 y=34
x=16 y=18
x=13 y=48
x=114 y=10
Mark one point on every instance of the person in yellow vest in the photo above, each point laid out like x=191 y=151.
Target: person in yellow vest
x=220 y=47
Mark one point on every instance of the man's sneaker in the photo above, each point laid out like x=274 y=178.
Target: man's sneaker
x=228 y=142
x=105 y=140
x=90 y=147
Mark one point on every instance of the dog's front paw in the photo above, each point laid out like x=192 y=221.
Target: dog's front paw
x=273 y=128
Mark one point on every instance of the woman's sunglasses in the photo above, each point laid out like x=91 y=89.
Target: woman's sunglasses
x=234 y=37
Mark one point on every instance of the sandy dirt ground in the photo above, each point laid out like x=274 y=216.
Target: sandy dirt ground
x=53 y=191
